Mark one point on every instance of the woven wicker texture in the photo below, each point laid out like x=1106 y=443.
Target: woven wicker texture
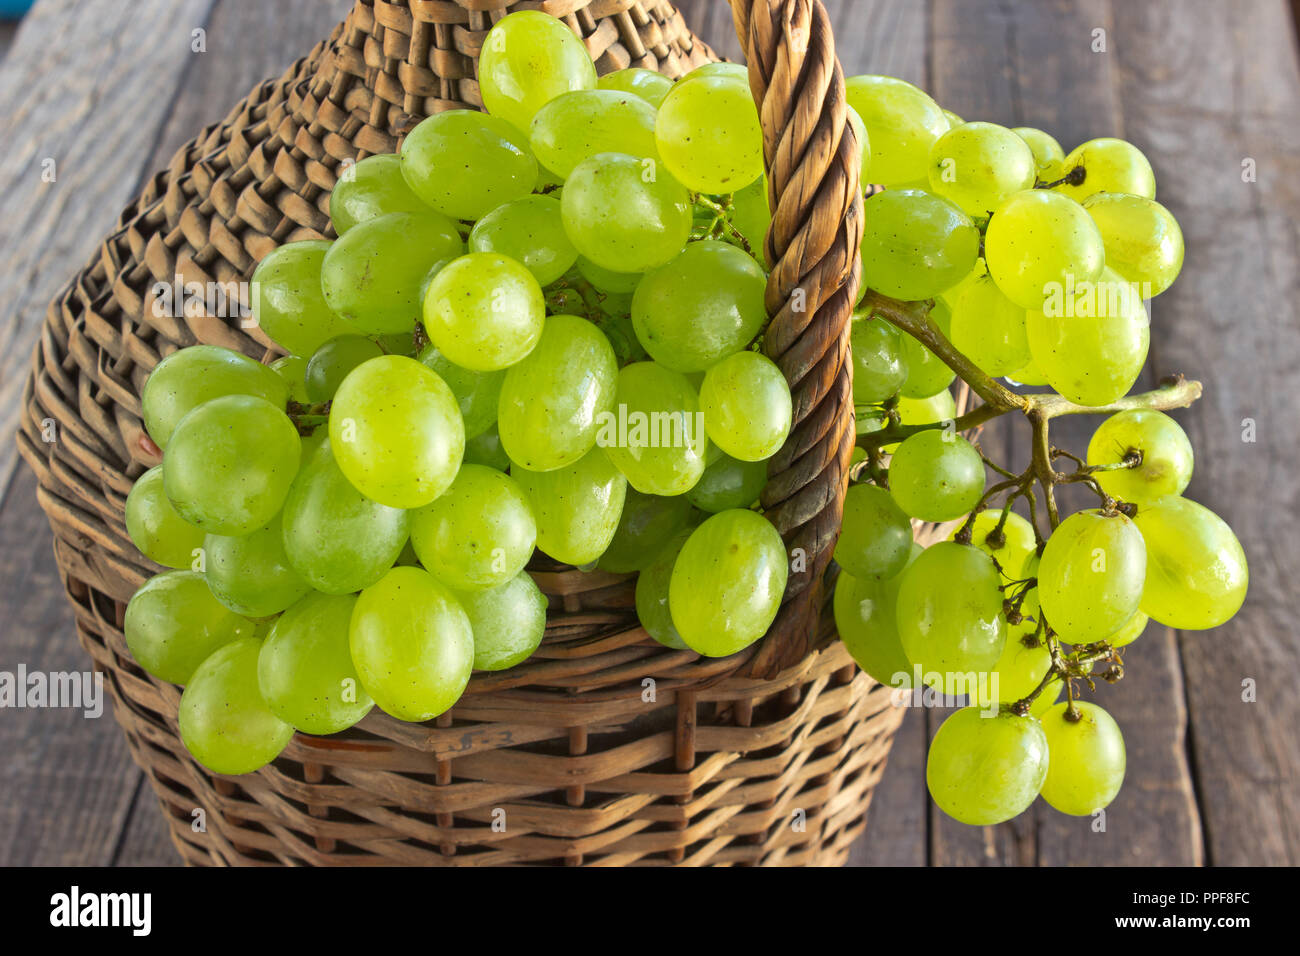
x=605 y=747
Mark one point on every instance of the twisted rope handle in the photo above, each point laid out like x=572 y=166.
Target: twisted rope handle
x=813 y=163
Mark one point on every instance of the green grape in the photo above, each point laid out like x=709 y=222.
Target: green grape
x=865 y=617
x=251 y=574
x=1092 y=343
x=369 y=189
x=372 y=275
x=1144 y=243
x=331 y=363
x=477 y=393
x=658 y=441
x=223 y=720
x=336 y=538
x=624 y=213
x=287 y=301
x=1027 y=374
x=192 y=376
x=1196 y=570
x=936 y=475
x=229 y=464
x=864 y=144
x=1088 y=759
x=708 y=133
x=879 y=369
x=728 y=483
x=553 y=403
x=1024 y=663
x=485 y=449
x=939 y=407
x=155 y=528
x=1090 y=578
x=647 y=84
x=1110 y=166
x=746 y=405
x=578 y=125
x=646 y=525
x=293 y=369
x=915 y=245
x=987 y=327
x=530 y=231
x=875 y=536
x=727 y=583
x=949 y=613
x=902 y=124
x=751 y=217
x=1048 y=155
x=528 y=59
x=1011 y=549
x=652 y=594
x=304 y=669
x=508 y=622
x=478 y=534
x=464 y=163
x=411 y=644
x=737 y=71
x=701 y=307
x=1165 y=465
x=577 y=507
x=399 y=343
x=607 y=281
x=396 y=432
x=1037 y=242
x=1130 y=632
x=978 y=165
x=484 y=311
x=1047 y=699
x=985 y=770
x=927 y=374
x=173 y=623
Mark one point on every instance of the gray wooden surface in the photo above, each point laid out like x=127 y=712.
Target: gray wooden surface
x=110 y=90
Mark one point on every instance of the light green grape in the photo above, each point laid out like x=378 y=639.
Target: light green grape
x=865 y=616
x=293 y=369
x=1110 y=166
x=372 y=275
x=1091 y=345
x=578 y=125
x=478 y=534
x=1027 y=374
x=484 y=311
x=396 y=432
x=1011 y=548
x=708 y=133
x=477 y=393
x=464 y=163
x=902 y=124
x=652 y=585
x=658 y=441
x=915 y=245
x=250 y=574
x=875 y=536
x=864 y=144
x=879 y=368
x=606 y=281
x=1088 y=759
x=939 y=407
x=508 y=622
x=952 y=118
x=577 y=507
x=189 y=377
x=987 y=327
x=1130 y=632
x=369 y=189
x=330 y=364
x=1165 y=467
x=647 y=524
x=223 y=720
x=287 y=301
x=173 y=623
x=984 y=770
x=229 y=464
x=1048 y=154
x=155 y=528
x=727 y=583
x=752 y=217
x=411 y=644
x=728 y=483
x=701 y=307
x=737 y=71
x=1144 y=243
x=936 y=475
x=1196 y=570
x=746 y=404
x=1024 y=663
x=554 y=402
x=528 y=59
x=647 y=84
x=334 y=537
x=1090 y=578
x=624 y=213
x=485 y=449
x=530 y=231
x=305 y=671
x=927 y=374
x=1036 y=242
x=978 y=165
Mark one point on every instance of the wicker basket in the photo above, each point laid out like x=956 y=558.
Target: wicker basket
x=604 y=748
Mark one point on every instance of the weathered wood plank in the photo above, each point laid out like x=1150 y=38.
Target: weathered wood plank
x=896 y=820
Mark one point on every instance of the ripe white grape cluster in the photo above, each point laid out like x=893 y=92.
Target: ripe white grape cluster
x=1032 y=265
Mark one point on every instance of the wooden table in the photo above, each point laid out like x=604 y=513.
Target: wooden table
x=1205 y=87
